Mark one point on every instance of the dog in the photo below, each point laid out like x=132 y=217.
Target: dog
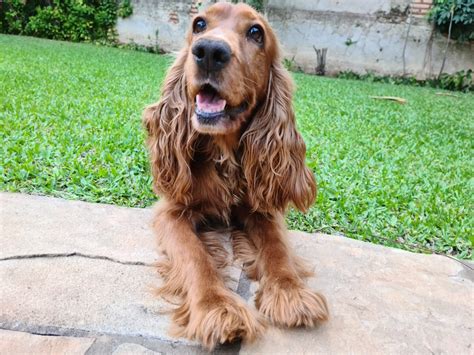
x=225 y=153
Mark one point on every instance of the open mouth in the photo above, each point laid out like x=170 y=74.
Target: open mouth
x=209 y=104
x=211 y=107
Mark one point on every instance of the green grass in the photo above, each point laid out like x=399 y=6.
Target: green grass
x=399 y=175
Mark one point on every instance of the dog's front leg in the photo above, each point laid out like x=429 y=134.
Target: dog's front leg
x=282 y=296
x=208 y=311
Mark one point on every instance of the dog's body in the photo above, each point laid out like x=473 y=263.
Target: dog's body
x=225 y=153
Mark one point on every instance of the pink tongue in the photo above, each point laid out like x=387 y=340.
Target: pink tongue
x=209 y=103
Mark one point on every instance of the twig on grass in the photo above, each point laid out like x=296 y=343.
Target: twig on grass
x=390 y=98
x=446 y=94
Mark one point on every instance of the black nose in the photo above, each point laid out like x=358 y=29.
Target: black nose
x=211 y=55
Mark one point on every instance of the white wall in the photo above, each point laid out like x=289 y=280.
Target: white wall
x=377 y=39
x=377 y=29
x=350 y=6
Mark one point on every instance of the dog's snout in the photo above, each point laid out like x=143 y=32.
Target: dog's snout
x=211 y=55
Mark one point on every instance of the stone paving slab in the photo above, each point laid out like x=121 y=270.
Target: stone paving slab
x=84 y=271
x=382 y=300
x=41 y=225
x=84 y=294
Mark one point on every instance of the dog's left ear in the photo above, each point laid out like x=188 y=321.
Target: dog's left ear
x=274 y=152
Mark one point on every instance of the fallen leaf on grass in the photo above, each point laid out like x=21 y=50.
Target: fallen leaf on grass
x=390 y=98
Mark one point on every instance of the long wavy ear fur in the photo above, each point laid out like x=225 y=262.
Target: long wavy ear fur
x=274 y=152
x=170 y=136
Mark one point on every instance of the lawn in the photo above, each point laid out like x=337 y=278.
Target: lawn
x=398 y=175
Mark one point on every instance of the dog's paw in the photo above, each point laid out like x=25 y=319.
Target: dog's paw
x=219 y=319
x=291 y=304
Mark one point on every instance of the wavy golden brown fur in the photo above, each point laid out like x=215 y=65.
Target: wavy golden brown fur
x=225 y=153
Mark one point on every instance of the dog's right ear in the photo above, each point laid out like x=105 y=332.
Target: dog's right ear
x=170 y=135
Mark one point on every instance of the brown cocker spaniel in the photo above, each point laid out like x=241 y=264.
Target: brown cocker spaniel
x=225 y=154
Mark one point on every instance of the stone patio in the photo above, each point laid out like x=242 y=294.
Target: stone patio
x=78 y=278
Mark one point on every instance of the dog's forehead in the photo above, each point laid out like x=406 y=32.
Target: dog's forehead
x=231 y=13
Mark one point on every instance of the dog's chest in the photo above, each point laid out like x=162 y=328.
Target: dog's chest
x=231 y=175
x=218 y=184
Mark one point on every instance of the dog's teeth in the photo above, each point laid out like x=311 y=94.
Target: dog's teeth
x=207 y=104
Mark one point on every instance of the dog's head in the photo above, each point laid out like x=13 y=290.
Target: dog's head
x=229 y=81
x=230 y=51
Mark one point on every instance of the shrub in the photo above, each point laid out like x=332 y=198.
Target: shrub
x=459 y=81
x=71 y=20
x=12 y=16
x=125 y=9
x=463 y=18
x=48 y=22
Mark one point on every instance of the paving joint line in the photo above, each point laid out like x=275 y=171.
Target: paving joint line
x=75 y=254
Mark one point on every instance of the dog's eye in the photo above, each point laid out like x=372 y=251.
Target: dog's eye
x=199 y=25
x=256 y=33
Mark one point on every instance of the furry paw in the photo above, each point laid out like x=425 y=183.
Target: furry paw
x=219 y=318
x=290 y=304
